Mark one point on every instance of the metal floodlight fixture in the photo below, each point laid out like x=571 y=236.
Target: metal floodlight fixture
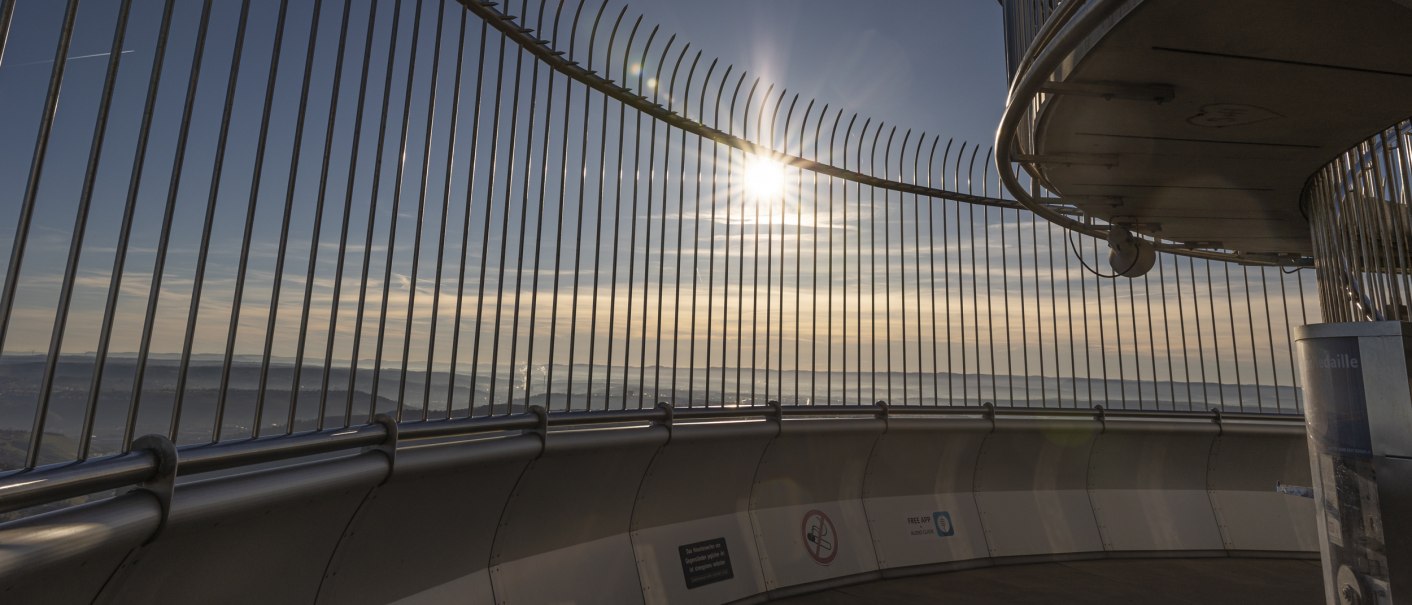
x=1129 y=256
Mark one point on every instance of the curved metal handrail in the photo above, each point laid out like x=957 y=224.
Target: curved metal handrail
x=563 y=63
x=47 y=485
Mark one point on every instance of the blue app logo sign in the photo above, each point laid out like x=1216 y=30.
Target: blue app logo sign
x=944 y=527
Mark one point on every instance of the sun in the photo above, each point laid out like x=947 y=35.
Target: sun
x=764 y=178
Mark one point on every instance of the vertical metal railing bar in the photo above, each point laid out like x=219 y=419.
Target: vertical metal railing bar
x=7 y=16
x=461 y=255
x=647 y=224
x=335 y=91
x=901 y=265
x=340 y=262
x=1102 y=328
x=243 y=264
x=858 y=324
x=481 y=277
x=449 y=170
x=632 y=216
x=598 y=214
x=946 y=274
x=241 y=272
x=901 y=246
x=1347 y=231
x=770 y=324
x=726 y=247
x=1304 y=319
x=1404 y=221
x=989 y=289
x=931 y=284
x=710 y=270
x=799 y=263
x=696 y=245
x=814 y=290
x=27 y=203
x=632 y=241
x=826 y=336
x=90 y=175
x=1366 y=236
x=1039 y=315
x=36 y=171
x=1269 y=340
x=1373 y=173
x=976 y=275
x=887 y=269
x=281 y=256
x=1255 y=359
x=1235 y=349
x=1137 y=337
x=1054 y=310
x=1216 y=337
x=159 y=266
x=1196 y=315
x=755 y=254
x=843 y=264
x=527 y=173
x=767 y=138
x=1024 y=321
x=1362 y=234
x=740 y=269
x=917 y=272
x=1353 y=232
x=1024 y=315
x=1181 y=329
x=1005 y=302
x=505 y=242
x=1395 y=159
x=1397 y=264
x=1083 y=307
x=373 y=195
x=1382 y=165
x=873 y=248
x=961 y=283
x=558 y=229
x=1289 y=336
x=681 y=232
x=661 y=218
x=199 y=278
x=617 y=206
x=1069 y=314
x=711 y=249
x=539 y=216
x=1152 y=340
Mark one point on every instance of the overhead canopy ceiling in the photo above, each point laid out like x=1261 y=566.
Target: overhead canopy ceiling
x=1255 y=96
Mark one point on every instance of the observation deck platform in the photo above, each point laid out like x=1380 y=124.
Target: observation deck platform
x=1201 y=121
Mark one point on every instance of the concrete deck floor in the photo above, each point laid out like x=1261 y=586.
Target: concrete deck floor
x=1145 y=581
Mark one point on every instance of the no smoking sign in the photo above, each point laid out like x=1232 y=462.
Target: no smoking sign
x=820 y=537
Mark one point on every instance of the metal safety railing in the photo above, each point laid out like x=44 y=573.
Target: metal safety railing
x=255 y=221
x=1023 y=21
x=1358 y=208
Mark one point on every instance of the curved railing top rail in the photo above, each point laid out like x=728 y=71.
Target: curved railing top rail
x=648 y=94
x=48 y=485
x=1066 y=28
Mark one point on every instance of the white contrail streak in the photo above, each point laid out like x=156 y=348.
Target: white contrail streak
x=69 y=59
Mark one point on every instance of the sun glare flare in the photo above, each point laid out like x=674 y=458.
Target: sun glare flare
x=764 y=178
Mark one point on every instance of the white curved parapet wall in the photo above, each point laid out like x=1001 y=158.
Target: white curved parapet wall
x=685 y=512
